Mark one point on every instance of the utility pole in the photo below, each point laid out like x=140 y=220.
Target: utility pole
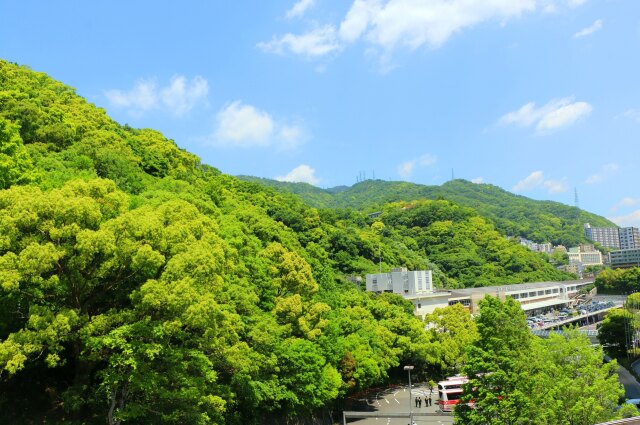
x=409 y=369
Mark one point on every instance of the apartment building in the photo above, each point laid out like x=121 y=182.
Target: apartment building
x=614 y=237
x=625 y=258
x=605 y=236
x=629 y=237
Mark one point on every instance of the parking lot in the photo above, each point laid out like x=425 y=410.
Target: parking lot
x=396 y=400
x=557 y=317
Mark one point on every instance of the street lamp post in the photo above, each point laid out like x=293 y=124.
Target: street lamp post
x=409 y=369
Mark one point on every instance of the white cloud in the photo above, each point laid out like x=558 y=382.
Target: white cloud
x=555 y=186
x=537 y=180
x=302 y=173
x=625 y=202
x=597 y=25
x=290 y=135
x=576 y=3
x=414 y=23
x=633 y=114
x=477 y=180
x=140 y=99
x=594 y=178
x=427 y=159
x=388 y=24
x=182 y=95
x=532 y=181
x=525 y=116
x=406 y=169
x=555 y=114
x=245 y=126
x=299 y=8
x=315 y=43
x=358 y=18
x=604 y=172
x=632 y=219
x=564 y=116
x=177 y=98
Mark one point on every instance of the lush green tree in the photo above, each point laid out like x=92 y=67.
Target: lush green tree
x=499 y=367
x=616 y=330
x=452 y=330
x=627 y=411
x=15 y=163
x=515 y=378
x=577 y=386
x=559 y=258
x=618 y=281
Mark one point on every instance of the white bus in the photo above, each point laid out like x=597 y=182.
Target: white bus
x=450 y=391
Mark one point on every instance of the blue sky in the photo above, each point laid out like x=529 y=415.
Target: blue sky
x=539 y=97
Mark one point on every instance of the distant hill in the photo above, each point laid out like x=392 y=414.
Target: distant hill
x=514 y=215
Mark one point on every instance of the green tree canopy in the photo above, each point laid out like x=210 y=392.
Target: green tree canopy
x=516 y=378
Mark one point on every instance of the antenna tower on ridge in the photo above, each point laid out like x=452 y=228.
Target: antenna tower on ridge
x=576 y=200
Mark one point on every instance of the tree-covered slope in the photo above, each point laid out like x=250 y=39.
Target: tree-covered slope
x=514 y=215
x=140 y=285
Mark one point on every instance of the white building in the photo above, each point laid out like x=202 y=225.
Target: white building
x=537 y=247
x=589 y=258
x=402 y=282
x=415 y=286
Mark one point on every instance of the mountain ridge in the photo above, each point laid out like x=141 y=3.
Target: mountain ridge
x=562 y=224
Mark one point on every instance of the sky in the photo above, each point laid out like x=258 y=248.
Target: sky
x=539 y=97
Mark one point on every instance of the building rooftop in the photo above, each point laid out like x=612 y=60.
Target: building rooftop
x=516 y=287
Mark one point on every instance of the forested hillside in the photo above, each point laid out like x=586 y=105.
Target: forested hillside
x=139 y=285
x=513 y=215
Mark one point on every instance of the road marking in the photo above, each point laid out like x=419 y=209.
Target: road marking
x=386 y=400
x=396 y=400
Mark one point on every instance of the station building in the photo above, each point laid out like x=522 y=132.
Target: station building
x=417 y=287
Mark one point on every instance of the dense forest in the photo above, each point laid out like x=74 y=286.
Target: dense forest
x=513 y=215
x=139 y=285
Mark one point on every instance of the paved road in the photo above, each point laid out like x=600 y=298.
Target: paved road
x=396 y=400
x=636 y=366
x=628 y=381
x=631 y=386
